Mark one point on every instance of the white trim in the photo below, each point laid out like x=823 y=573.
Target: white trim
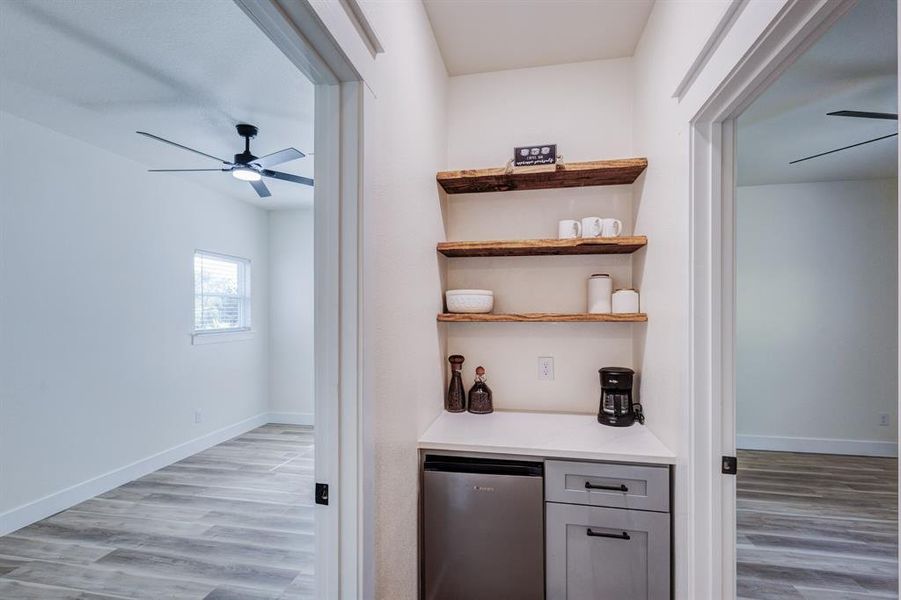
x=269 y=16
x=817 y=445
x=327 y=315
x=320 y=39
x=200 y=338
x=357 y=14
x=711 y=495
x=42 y=508
x=292 y=418
x=727 y=19
x=354 y=460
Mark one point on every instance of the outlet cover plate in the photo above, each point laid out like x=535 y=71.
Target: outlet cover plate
x=545 y=368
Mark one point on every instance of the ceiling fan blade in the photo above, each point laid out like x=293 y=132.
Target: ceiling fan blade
x=286 y=177
x=277 y=158
x=884 y=137
x=182 y=170
x=260 y=188
x=171 y=143
x=863 y=114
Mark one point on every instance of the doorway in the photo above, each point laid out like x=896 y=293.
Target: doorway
x=128 y=361
x=713 y=378
x=816 y=305
x=816 y=317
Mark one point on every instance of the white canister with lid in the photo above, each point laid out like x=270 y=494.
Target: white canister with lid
x=625 y=301
x=600 y=288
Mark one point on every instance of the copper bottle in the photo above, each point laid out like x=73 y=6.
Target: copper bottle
x=480 y=395
x=456 y=394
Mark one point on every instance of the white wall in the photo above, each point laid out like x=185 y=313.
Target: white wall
x=291 y=315
x=404 y=348
x=97 y=369
x=674 y=34
x=673 y=37
x=817 y=309
x=585 y=108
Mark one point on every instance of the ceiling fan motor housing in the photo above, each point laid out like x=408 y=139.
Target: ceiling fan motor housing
x=244 y=158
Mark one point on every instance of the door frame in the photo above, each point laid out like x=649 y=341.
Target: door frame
x=341 y=425
x=711 y=495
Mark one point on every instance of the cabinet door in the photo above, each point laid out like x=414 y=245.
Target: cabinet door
x=606 y=553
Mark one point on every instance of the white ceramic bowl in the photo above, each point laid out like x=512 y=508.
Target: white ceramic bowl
x=469 y=301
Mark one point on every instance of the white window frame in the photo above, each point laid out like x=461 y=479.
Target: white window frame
x=245 y=330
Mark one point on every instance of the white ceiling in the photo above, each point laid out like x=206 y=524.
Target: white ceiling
x=852 y=67
x=476 y=36
x=186 y=71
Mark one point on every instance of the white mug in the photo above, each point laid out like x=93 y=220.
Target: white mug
x=592 y=227
x=568 y=228
x=611 y=228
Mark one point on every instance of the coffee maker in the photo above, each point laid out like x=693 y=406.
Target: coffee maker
x=617 y=408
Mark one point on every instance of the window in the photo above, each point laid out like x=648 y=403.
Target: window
x=221 y=293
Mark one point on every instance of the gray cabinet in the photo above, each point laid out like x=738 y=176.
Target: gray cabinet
x=599 y=546
x=637 y=487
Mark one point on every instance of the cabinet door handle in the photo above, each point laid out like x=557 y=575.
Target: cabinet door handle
x=616 y=488
x=616 y=536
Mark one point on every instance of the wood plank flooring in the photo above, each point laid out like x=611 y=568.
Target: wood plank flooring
x=234 y=522
x=817 y=526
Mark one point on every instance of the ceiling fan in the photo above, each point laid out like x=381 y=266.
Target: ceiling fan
x=246 y=166
x=860 y=114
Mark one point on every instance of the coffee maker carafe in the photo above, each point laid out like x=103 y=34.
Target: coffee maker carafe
x=617 y=408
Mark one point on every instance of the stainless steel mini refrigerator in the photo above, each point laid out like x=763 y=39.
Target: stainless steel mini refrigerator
x=482 y=529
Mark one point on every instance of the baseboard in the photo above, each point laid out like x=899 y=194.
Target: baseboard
x=42 y=508
x=817 y=445
x=292 y=418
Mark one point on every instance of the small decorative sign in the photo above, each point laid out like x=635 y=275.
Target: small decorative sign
x=527 y=156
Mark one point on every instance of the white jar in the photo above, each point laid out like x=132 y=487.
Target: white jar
x=600 y=287
x=625 y=301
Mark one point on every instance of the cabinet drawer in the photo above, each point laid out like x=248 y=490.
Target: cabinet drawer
x=602 y=484
x=598 y=553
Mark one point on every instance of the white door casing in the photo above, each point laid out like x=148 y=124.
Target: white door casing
x=340 y=423
x=712 y=288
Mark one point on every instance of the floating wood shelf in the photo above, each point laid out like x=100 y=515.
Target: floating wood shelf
x=543 y=318
x=549 y=247
x=598 y=172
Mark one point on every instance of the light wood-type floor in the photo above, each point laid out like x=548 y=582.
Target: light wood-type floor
x=817 y=526
x=232 y=522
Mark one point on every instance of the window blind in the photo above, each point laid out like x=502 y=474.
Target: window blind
x=221 y=292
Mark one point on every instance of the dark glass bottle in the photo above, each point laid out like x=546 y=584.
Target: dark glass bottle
x=456 y=394
x=480 y=395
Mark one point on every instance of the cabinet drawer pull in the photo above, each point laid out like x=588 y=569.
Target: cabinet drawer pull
x=617 y=536
x=615 y=488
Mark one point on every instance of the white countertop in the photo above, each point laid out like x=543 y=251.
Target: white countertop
x=550 y=435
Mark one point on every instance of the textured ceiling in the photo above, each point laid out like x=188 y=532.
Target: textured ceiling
x=852 y=67
x=188 y=71
x=476 y=36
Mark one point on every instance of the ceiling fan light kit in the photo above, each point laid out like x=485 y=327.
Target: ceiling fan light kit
x=246 y=174
x=246 y=166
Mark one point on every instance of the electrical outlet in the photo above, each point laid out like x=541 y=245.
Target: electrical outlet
x=198 y=415
x=545 y=368
x=884 y=419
